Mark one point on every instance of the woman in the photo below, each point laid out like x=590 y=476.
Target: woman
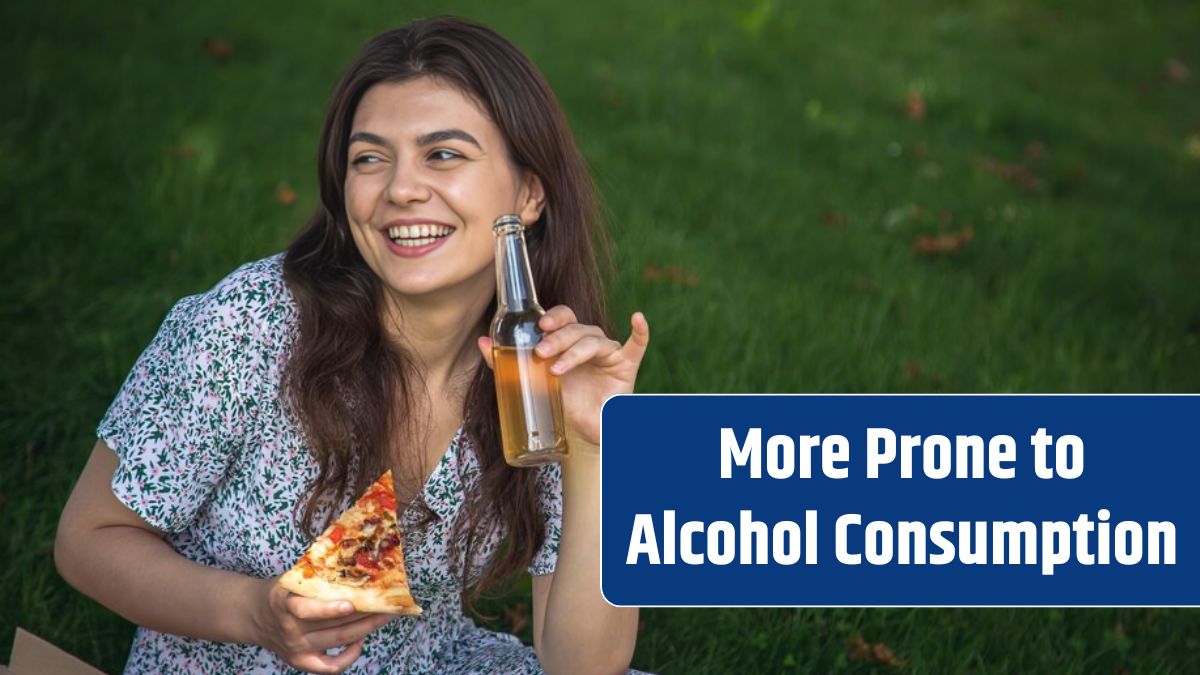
x=265 y=405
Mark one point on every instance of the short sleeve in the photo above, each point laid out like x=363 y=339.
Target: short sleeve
x=550 y=505
x=178 y=421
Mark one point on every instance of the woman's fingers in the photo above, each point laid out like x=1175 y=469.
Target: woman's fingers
x=575 y=343
x=320 y=662
x=310 y=609
x=585 y=349
x=345 y=634
x=579 y=343
x=319 y=615
x=557 y=317
x=485 y=348
x=635 y=347
x=562 y=339
x=323 y=624
x=301 y=629
x=309 y=651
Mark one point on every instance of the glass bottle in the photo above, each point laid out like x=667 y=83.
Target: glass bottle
x=527 y=393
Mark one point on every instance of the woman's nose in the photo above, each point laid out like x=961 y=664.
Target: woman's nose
x=407 y=186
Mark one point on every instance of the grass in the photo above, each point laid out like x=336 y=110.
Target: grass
x=766 y=189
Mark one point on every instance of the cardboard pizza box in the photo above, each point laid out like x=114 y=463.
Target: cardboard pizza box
x=32 y=655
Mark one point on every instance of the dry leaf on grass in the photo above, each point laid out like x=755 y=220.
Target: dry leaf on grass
x=914 y=106
x=1017 y=174
x=185 y=151
x=861 y=650
x=673 y=273
x=1176 y=71
x=218 y=49
x=833 y=219
x=1036 y=151
x=916 y=373
x=913 y=370
x=286 y=195
x=945 y=243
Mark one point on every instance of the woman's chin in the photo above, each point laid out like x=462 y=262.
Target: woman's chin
x=437 y=285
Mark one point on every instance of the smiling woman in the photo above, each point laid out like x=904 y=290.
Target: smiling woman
x=264 y=405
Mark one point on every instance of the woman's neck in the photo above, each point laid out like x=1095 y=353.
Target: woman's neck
x=439 y=334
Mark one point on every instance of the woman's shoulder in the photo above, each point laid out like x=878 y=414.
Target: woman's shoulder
x=253 y=297
x=256 y=287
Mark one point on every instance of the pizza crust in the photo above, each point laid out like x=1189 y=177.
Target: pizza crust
x=365 y=599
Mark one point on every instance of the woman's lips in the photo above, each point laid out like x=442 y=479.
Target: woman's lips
x=414 y=251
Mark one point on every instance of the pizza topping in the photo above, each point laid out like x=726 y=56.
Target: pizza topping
x=363 y=559
x=352 y=576
x=385 y=500
x=348 y=548
x=365 y=550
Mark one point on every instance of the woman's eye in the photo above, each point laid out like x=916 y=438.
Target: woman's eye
x=365 y=159
x=443 y=155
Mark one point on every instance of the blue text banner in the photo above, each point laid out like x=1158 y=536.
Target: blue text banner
x=875 y=500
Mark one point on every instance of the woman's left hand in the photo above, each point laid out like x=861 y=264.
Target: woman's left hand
x=591 y=366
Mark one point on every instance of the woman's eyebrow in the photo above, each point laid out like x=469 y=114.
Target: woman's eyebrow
x=368 y=137
x=446 y=135
x=422 y=140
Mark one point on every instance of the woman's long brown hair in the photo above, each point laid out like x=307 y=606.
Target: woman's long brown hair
x=352 y=389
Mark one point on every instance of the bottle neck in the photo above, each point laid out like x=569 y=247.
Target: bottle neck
x=514 y=281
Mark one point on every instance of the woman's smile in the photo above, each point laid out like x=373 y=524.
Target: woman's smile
x=416 y=239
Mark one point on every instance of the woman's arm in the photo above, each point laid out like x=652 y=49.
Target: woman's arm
x=110 y=554
x=574 y=629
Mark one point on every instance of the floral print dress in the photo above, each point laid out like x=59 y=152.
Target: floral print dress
x=208 y=456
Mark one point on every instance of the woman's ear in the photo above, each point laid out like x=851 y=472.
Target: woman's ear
x=532 y=198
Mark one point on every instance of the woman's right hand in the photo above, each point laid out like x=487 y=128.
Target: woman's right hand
x=300 y=629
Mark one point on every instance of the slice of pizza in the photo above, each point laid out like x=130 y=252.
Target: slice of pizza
x=358 y=558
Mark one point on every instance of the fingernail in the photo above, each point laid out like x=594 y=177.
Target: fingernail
x=557 y=368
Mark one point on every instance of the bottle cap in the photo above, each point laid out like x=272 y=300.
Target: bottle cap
x=507 y=223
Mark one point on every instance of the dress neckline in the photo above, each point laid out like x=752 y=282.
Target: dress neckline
x=447 y=462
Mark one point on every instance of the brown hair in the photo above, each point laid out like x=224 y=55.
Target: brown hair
x=344 y=376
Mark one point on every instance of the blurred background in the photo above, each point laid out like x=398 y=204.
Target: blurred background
x=974 y=196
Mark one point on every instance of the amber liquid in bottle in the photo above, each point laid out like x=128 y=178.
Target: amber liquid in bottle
x=530 y=402
x=527 y=394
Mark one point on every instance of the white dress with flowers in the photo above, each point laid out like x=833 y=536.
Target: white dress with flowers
x=208 y=456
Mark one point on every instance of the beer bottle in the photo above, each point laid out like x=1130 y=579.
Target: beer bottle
x=527 y=393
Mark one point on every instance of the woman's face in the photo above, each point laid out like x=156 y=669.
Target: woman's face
x=427 y=174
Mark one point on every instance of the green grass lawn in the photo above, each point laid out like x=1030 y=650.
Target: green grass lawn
x=772 y=171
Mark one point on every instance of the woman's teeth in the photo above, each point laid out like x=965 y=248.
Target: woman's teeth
x=418 y=235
